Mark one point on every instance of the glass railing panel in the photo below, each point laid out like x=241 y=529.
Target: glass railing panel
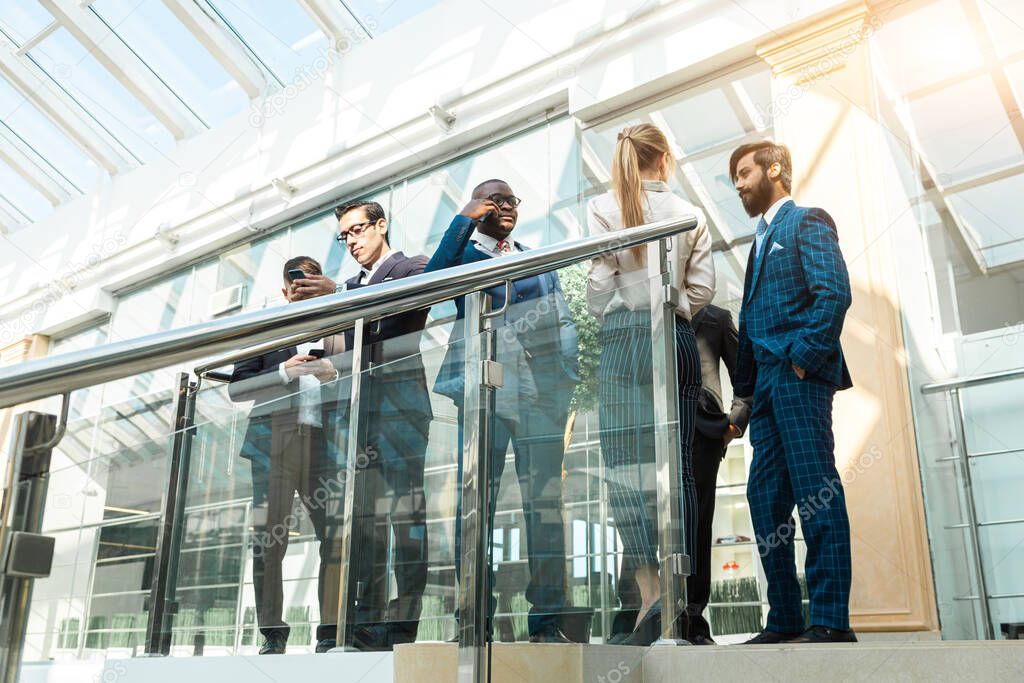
x=102 y=507
x=996 y=440
x=267 y=479
x=573 y=437
x=402 y=581
x=247 y=439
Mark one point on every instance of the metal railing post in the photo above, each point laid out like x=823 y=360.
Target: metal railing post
x=674 y=555
x=355 y=431
x=162 y=593
x=474 y=582
x=21 y=519
x=971 y=512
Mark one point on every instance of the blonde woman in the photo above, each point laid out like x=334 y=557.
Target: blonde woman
x=619 y=296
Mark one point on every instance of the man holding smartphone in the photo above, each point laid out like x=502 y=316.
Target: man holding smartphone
x=396 y=415
x=286 y=448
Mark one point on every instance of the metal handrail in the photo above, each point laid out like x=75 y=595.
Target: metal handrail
x=304 y=320
x=968 y=382
x=972 y=524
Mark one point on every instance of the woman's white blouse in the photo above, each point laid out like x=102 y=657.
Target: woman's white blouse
x=618 y=282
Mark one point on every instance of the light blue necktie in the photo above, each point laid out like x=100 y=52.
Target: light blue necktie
x=762 y=228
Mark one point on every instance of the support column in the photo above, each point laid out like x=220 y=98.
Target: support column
x=825 y=112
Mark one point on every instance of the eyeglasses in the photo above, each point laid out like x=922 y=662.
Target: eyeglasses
x=354 y=230
x=501 y=199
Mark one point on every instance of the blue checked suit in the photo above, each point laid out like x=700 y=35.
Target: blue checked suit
x=795 y=298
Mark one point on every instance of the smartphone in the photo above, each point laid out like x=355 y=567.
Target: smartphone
x=316 y=353
x=296 y=274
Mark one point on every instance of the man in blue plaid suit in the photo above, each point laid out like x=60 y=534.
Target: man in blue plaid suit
x=795 y=298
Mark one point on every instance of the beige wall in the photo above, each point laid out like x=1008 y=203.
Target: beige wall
x=825 y=113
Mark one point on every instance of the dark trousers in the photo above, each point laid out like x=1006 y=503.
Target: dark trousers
x=538 y=443
x=390 y=498
x=626 y=413
x=707 y=456
x=794 y=466
x=294 y=459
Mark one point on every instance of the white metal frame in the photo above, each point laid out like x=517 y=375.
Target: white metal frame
x=220 y=42
x=37 y=87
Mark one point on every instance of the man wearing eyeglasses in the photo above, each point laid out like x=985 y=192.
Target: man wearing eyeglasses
x=396 y=412
x=536 y=345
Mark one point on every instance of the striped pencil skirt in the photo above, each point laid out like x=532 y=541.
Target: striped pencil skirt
x=627 y=430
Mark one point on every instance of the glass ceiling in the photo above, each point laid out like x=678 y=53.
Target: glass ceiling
x=93 y=88
x=955 y=69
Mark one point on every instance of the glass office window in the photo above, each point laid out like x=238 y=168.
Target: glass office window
x=954 y=221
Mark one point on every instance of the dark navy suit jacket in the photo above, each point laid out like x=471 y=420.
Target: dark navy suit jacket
x=795 y=299
x=456 y=248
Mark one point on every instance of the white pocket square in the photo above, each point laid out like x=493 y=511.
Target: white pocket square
x=775 y=247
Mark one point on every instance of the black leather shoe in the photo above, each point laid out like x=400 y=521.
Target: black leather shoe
x=824 y=634
x=325 y=645
x=701 y=639
x=617 y=638
x=275 y=644
x=767 y=637
x=647 y=629
x=549 y=634
x=382 y=637
x=371 y=638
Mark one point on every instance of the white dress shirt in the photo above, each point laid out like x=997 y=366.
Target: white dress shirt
x=489 y=245
x=309 y=397
x=366 y=273
x=618 y=281
x=769 y=216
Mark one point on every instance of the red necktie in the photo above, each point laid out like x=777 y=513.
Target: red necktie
x=504 y=247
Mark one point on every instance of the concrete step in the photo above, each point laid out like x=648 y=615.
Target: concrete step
x=989 y=661
x=873 y=661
